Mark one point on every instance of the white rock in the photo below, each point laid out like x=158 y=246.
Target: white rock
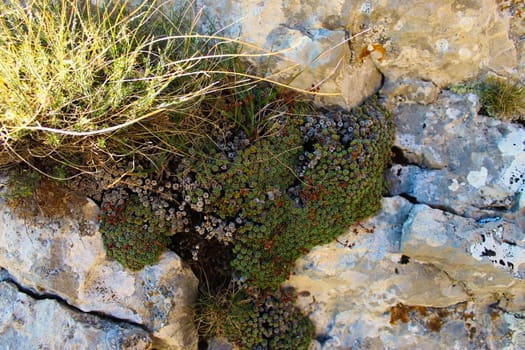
x=56 y=256
x=312 y=41
x=27 y=323
x=486 y=257
x=442 y=41
x=477 y=164
x=428 y=261
x=348 y=287
x=326 y=43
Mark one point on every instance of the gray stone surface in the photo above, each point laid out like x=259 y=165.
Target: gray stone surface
x=412 y=275
x=456 y=159
x=409 y=90
x=27 y=323
x=220 y=344
x=59 y=256
x=443 y=263
x=341 y=45
x=485 y=258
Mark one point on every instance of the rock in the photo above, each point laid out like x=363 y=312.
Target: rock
x=443 y=41
x=515 y=10
x=442 y=264
x=372 y=289
x=29 y=323
x=59 y=256
x=409 y=90
x=486 y=258
x=337 y=45
x=312 y=41
x=220 y=344
x=4 y=275
x=456 y=159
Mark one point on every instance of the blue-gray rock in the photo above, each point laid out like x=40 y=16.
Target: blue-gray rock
x=63 y=255
x=27 y=323
x=455 y=159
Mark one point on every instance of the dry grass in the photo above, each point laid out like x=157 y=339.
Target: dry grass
x=86 y=86
x=499 y=97
x=502 y=98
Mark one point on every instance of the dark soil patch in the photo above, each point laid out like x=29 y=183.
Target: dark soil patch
x=208 y=258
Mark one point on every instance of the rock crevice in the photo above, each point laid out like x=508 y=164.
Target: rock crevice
x=448 y=242
x=54 y=259
x=6 y=277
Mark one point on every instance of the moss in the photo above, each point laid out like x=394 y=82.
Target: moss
x=270 y=322
x=340 y=183
x=272 y=197
x=132 y=234
x=246 y=177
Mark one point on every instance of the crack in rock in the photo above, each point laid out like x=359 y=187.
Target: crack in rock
x=6 y=277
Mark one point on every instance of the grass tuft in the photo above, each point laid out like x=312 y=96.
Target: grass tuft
x=499 y=98
x=84 y=86
x=503 y=99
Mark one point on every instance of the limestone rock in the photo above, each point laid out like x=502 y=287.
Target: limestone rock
x=486 y=257
x=312 y=40
x=443 y=41
x=220 y=344
x=28 y=323
x=409 y=90
x=371 y=289
x=338 y=44
x=470 y=164
x=515 y=10
x=346 y=301
x=443 y=267
x=55 y=256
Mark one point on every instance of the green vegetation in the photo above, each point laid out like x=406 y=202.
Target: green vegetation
x=132 y=234
x=500 y=98
x=22 y=184
x=255 y=322
x=213 y=314
x=340 y=183
x=271 y=322
x=160 y=125
x=299 y=187
x=86 y=85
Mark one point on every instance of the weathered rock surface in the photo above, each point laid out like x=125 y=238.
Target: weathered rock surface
x=516 y=11
x=443 y=41
x=28 y=323
x=340 y=45
x=410 y=90
x=485 y=258
x=312 y=38
x=381 y=286
x=456 y=159
x=338 y=274
x=443 y=263
x=64 y=256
